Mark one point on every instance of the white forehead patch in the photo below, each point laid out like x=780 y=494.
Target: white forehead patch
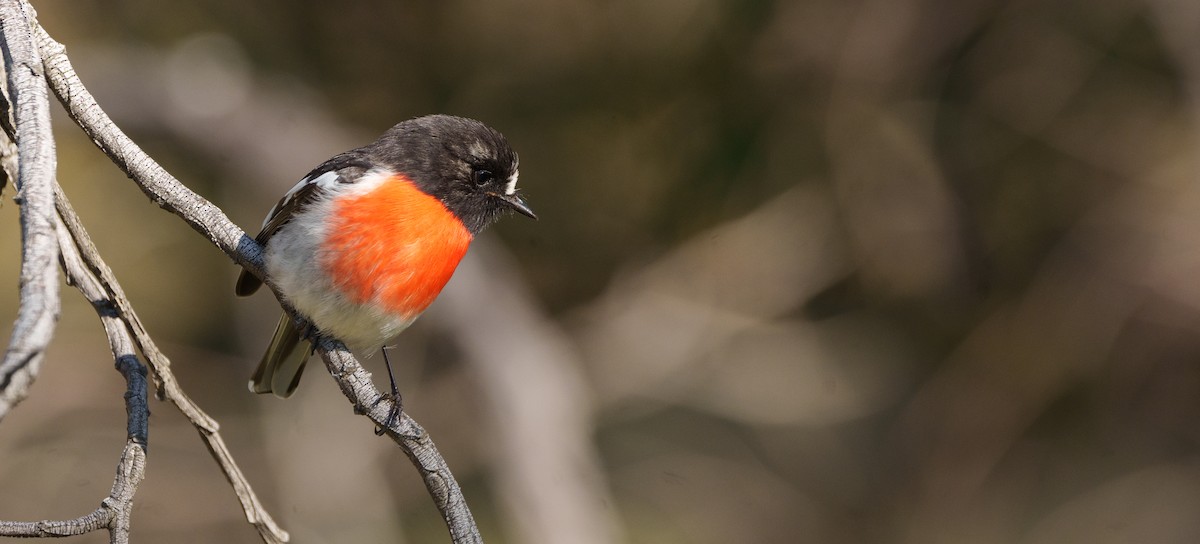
x=512 y=183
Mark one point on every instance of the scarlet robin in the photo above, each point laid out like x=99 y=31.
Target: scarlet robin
x=366 y=241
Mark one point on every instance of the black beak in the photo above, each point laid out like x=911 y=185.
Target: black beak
x=517 y=203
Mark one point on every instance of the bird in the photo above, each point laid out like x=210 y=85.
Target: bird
x=366 y=241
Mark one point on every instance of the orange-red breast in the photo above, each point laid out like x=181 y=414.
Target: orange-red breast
x=366 y=241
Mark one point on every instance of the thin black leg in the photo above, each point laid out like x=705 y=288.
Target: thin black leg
x=397 y=402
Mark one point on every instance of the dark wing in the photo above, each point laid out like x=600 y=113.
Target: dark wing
x=345 y=168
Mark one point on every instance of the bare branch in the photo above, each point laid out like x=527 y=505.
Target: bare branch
x=551 y=479
x=124 y=351
x=113 y=513
x=131 y=470
x=162 y=188
x=355 y=382
x=120 y=307
x=39 y=291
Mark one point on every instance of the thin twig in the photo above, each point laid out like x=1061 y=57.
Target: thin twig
x=39 y=288
x=552 y=482
x=205 y=425
x=158 y=184
x=131 y=470
x=355 y=382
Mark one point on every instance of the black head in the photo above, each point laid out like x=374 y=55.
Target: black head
x=466 y=164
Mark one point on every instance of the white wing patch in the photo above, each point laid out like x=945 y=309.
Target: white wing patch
x=324 y=181
x=512 y=183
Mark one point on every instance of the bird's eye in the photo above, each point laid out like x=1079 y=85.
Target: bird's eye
x=484 y=177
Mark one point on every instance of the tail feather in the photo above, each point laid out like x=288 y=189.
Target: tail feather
x=247 y=284
x=281 y=366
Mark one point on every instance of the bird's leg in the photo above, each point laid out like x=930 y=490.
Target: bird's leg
x=397 y=402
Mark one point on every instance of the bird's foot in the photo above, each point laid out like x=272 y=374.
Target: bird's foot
x=393 y=416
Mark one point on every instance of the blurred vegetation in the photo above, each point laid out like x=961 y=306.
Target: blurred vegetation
x=836 y=271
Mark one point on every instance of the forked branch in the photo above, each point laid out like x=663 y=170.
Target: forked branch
x=120 y=307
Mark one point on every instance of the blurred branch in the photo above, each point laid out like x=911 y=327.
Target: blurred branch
x=207 y=219
x=39 y=288
x=1179 y=20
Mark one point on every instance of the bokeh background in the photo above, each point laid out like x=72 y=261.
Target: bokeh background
x=829 y=271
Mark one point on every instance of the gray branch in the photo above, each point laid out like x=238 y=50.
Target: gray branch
x=355 y=382
x=113 y=514
x=158 y=184
x=39 y=291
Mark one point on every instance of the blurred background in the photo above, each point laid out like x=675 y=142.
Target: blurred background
x=824 y=271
